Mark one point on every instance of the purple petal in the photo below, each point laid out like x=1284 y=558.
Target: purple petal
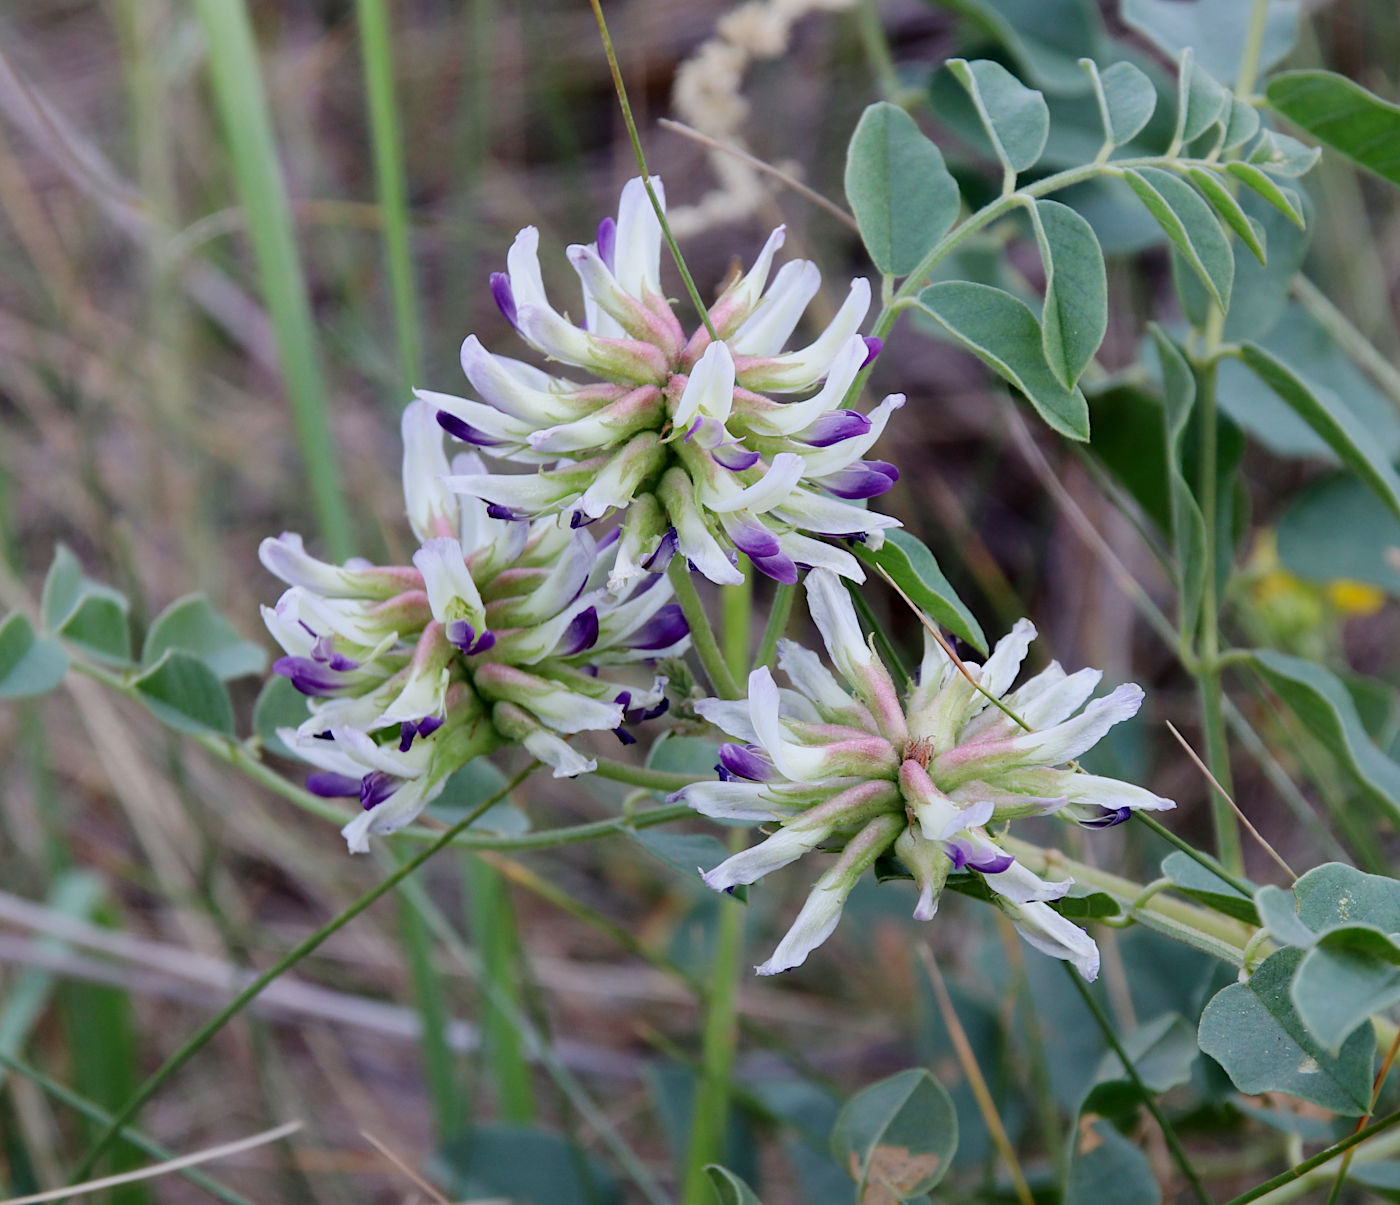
x=578 y=519
x=607 y=240
x=833 y=427
x=994 y=864
x=624 y=736
x=497 y=511
x=329 y=785
x=755 y=539
x=864 y=479
x=504 y=296
x=308 y=676
x=466 y=432
x=780 y=567
x=1108 y=819
x=665 y=550
x=483 y=642
x=692 y=429
x=582 y=633
x=662 y=630
x=376 y=787
x=873 y=347
x=461 y=634
x=747 y=761
x=424 y=728
x=734 y=458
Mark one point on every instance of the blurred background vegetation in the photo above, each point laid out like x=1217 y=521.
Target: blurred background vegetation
x=179 y=379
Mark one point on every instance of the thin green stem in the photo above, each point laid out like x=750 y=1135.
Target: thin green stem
x=377 y=52
x=92 y=1112
x=195 y=1043
x=779 y=612
x=1193 y=853
x=736 y=617
x=710 y=1115
x=640 y=776
x=702 y=635
x=1178 y=1152
x=1300 y=1170
x=636 y=139
x=1253 y=46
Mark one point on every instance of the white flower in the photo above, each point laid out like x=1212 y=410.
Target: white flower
x=842 y=761
x=678 y=425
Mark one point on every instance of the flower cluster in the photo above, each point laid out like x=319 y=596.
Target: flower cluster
x=493 y=633
x=840 y=762
x=678 y=434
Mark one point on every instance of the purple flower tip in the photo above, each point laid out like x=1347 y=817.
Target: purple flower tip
x=992 y=865
x=746 y=761
x=424 y=728
x=864 y=479
x=834 y=427
x=1109 y=818
x=873 y=347
x=504 y=296
x=578 y=519
x=454 y=426
x=497 y=511
x=665 y=550
x=581 y=634
x=780 y=567
x=624 y=736
x=733 y=458
x=376 y=787
x=661 y=631
x=309 y=676
x=607 y=241
x=330 y=785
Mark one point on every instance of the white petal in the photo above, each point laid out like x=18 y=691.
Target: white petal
x=778 y=312
x=802 y=369
x=795 y=416
x=797 y=762
x=452 y=594
x=730 y=716
x=734 y=801
x=637 y=251
x=432 y=510
x=1069 y=740
x=709 y=390
x=1052 y=934
x=400 y=809
x=772 y=489
x=804 y=668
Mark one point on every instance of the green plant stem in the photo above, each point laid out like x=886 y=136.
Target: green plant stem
x=736 y=616
x=1253 y=46
x=702 y=635
x=710 y=1114
x=1193 y=853
x=1297 y=1172
x=377 y=52
x=779 y=612
x=640 y=776
x=99 y=1115
x=1178 y=1152
x=242 y=104
x=636 y=139
x=196 y=1042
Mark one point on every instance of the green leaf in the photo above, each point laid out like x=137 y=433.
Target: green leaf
x=1285 y=200
x=1084 y=903
x=1281 y=155
x=1162 y=1052
x=1128 y=426
x=1343 y=981
x=1045 y=37
x=685 y=853
x=1188 y=526
x=1253 y=1031
x=1216 y=29
x=1208 y=888
x=1015 y=117
x=902 y=195
x=1201 y=100
x=1334 y=895
x=191 y=623
x=1342 y=114
x=1381 y=1177
x=29 y=664
x=186 y=694
x=523 y=1164
x=1224 y=203
x=1320 y=700
x=729 y=1189
x=1106 y=1169
x=1336 y=424
x=1001 y=331
x=84 y=612
x=1190 y=225
x=1241 y=124
x=915 y=571
x=896 y=1137
x=1279 y=915
x=1075 y=314
x=1126 y=98
x=1337 y=529
x=279 y=705
x=677 y=754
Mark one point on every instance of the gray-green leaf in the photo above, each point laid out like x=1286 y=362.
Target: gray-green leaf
x=1003 y=333
x=1253 y=1031
x=1342 y=114
x=914 y=570
x=84 y=612
x=1188 y=524
x=1224 y=203
x=1075 y=314
x=1190 y=225
x=185 y=693
x=1337 y=529
x=1162 y=1052
x=30 y=664
x=1201 y=100
x=1335 y=424
x=897 y=1136
x=1285 y=200
x=1347 y=977
x=1107 y=1169
x=1214 y=28
x=901 y=193
x=729 y=1188
x=1126 y=99
x=191 y=623
x=1015 y=117
x=1207 y=887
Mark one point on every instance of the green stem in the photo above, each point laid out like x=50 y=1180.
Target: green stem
x=377 y=51
x=779 y=612
x=640 y=776
x=710 y=1115
x=92 y=1112
x=1253 y=46
x=1178 y=1152
x=702 y=635
x=195 y=1043
x=1300 y=1170
x=627 y=119
x=1193 y=853
x=736 y=616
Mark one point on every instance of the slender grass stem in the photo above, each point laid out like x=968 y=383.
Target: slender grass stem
x=702 y=635
x=1178 y=1152
x=201 y=1037
x=1297 y=1172
x=779 y=612
x=377 y=53
x=1193 y=853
